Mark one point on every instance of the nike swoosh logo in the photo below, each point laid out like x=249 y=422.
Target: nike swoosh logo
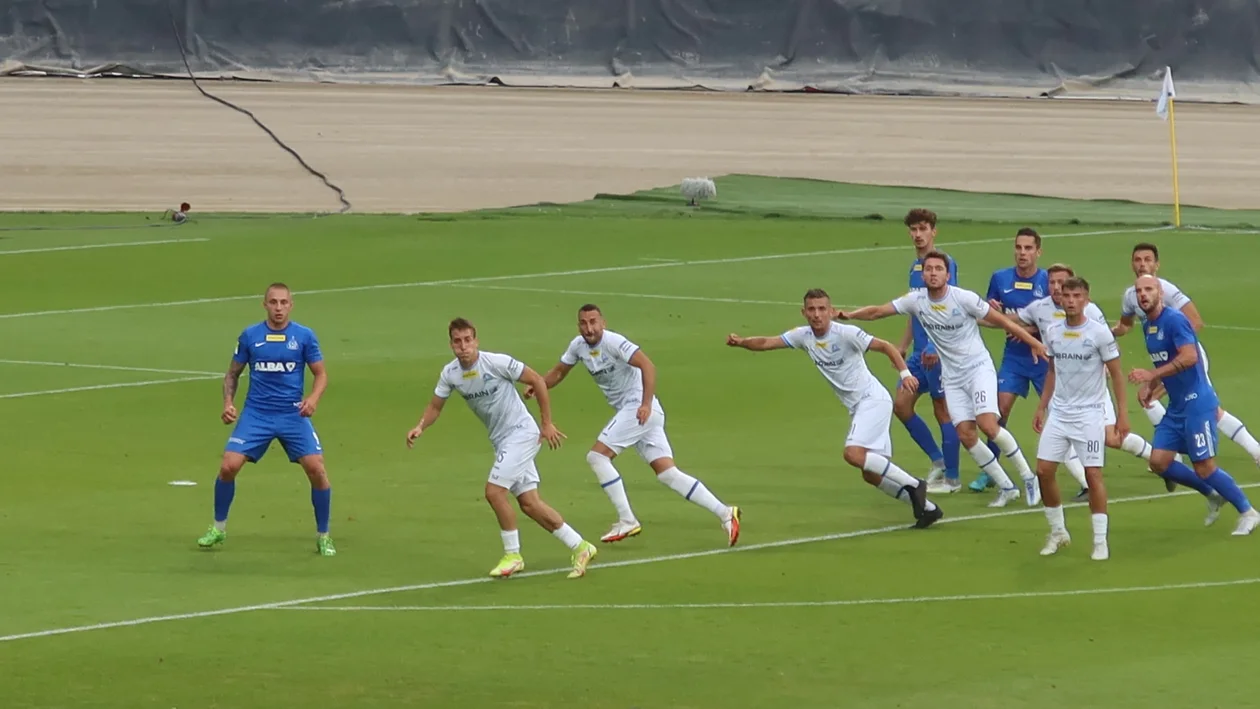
x=259 y=344
x=1009 y=290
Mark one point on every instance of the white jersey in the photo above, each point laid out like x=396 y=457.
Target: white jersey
x=840 y=356
x=1043 y=313
x=1080 y=373
x=489 y=388
x=951 y=325
x=1173 y=298
x=608 y=361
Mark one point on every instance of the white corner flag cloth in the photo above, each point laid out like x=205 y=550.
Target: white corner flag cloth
x=1166 y=93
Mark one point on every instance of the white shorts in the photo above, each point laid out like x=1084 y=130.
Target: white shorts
x=649 y=439
x=514 y=467
x=1203 y=358
x=1087 y=438
x=1109 y=412
x=869 y=427
x=973 y=394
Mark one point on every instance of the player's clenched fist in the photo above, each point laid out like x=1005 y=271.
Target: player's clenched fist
x=229 y=414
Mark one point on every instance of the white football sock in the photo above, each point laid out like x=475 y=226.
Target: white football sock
x=1054 y=515
x=1134 y=444
x=568 y=536
x=1010 y=448
x=1100 y=527
x=895 y=477
x=1073 y=465
x=1155 y=413
x=1235 y=431
x=511 y=541
x=221 y=526
x=990 y=465
x=694 y=491
x=610 y=480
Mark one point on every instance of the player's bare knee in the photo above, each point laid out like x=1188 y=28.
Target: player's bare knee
x=903 y=405
x=1205 y=468
x=1113 y=439
x=967 y=435
x=871 y=478
x=660 y=465
x=1046 y=469
x=855 y=456
x=600 y=449
x=988 y=423
x=230 y=466
x=1159 y=462
x=941 y=410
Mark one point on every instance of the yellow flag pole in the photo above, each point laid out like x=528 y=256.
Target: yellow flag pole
x=1172 y=139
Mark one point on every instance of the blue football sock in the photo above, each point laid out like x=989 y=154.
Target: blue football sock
x=951 y=448
x=322 y=500
x=224 y=491
x=1225 y=485
x=922 y=436
x=1182 y=474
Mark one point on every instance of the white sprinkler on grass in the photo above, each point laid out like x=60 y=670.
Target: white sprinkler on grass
x=698 y=188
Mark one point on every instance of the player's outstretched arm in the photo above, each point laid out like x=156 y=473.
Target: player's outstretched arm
x=870 y=312
x=1047 y=393
x=1016 y=330
x=317 y=389
x=1192 y=314
x=648 y=369
x=231 y=381
x=1122 y=328
x=756 y=344
x=548 y=432
x=552 y=378
x=908 y=382
x=1121 y=397
x=428 y=418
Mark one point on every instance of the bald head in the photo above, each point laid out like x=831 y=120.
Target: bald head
x=1150 y=296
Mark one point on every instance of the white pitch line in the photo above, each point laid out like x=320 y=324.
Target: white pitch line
x=552 y=274
x=95 y=387
x=114 y=245
x=547 y=572
x=38 y=363
x=797 y=604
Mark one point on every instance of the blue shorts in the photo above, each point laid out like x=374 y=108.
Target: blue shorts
x=1192 y=433
x=1017 y=373
x=929 y=379
x=254 y=433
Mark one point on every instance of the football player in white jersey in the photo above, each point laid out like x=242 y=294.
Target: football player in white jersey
x=1040 y=315
x=838 y=351
x=1145 y=262
x=949 y=314
x=627 y=378
x=487 y=383
x=1083 y=353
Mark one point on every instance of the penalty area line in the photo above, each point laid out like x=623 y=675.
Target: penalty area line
x=95 y=387
x=113 y=245
x=597 y=568
x=795 y=604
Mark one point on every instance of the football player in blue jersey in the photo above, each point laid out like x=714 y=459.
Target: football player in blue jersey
x=277 y=352
x=925 y=366
x=1189 y=425
x=1011 y=289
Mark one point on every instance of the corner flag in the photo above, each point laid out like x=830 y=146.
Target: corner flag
x=1164 y=109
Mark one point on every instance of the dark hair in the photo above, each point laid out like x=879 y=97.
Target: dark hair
x=590 y=307
x=460 y=324
x=1029 y=231
x=919 y=216
x=816 y=293
x=1060 y=268
x=936 y=255
x=275 y=286
x=1145 y=246
x=1076 y=283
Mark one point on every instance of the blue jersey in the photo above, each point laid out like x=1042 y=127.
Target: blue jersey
x=277 y=361
x=1189 y=391
x=1014 y=292
x=921 y=341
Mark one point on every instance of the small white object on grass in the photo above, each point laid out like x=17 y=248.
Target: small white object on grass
x=698 y=188
x=183 y=483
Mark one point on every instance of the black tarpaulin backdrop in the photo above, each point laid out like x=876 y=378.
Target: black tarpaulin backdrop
x=995 y=47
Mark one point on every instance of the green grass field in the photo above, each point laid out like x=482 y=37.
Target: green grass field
x=828 y=601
